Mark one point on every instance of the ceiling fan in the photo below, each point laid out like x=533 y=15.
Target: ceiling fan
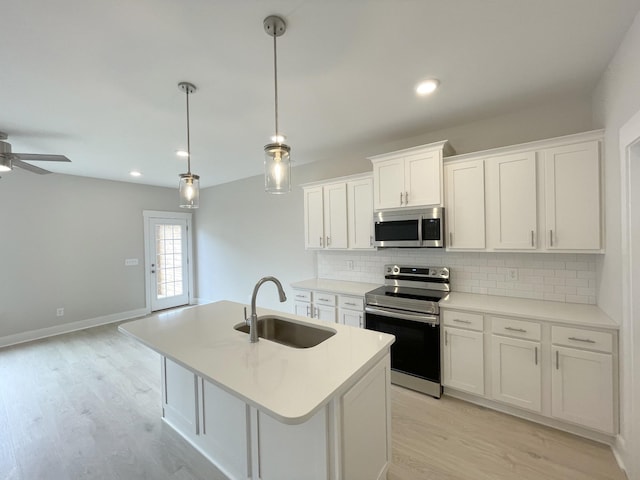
x=9 y=160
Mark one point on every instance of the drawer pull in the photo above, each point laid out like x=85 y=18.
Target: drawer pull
x=521 y=330
x=461 y=321
x=585 y=340
x=301 y=296
x=324 y=299
x=350 y=303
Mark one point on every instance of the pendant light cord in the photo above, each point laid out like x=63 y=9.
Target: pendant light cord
x=275 y=74
x=188 y=136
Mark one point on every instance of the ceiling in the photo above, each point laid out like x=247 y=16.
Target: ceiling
x=97 y=80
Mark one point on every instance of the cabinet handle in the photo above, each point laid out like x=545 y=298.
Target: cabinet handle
x=350 y=303
x=532 y=244
x=585 y=340
x=521 y=330
x=308 y=311
x=300 y=296
x=551 y=237
x=450 y=238
x=406 y=198
x=328 y=240
x=360 y=321
x=461 y=321
x=317 y=313
x=536 y=357
x=204 y=421
x=320 y=241
x=557 y=360
x=446 y=339
x=371 y=240
x=400 y=198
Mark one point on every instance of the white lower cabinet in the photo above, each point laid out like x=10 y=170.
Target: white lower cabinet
x=329 y=307
x=347 y=439
x=516 y=372
x=463 y=360
x=560 y=375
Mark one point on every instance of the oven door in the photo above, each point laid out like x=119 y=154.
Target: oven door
x=416 y=350
x=394 y=230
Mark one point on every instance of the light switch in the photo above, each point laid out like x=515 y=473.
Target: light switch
x=131 y=262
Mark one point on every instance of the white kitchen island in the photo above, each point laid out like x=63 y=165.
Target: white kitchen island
x=269 y=411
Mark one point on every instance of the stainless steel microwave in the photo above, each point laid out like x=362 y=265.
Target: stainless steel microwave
x=415 y=228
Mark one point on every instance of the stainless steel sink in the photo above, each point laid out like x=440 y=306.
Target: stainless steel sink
x=289 y=332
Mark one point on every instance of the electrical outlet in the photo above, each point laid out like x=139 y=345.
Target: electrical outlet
x=60 y=312
x=350 y=264
x=512 y=274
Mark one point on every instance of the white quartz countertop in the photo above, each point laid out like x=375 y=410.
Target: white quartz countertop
x=336 y=286
x=568 y=313
x=289 y=384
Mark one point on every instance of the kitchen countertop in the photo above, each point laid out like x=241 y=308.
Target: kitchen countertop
x=289 y=384
x=336 y=286
x=568 y=313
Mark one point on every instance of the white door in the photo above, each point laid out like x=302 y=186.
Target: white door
x=335 y=215
x=313 y=218
x=168 y=248
x=511 y=201
x=463 y=366
x=465 y=204
x=360 y=213
x=516 y=372
x=422 y=179
x=388 y=184
x=572 y=197
x=582 y=388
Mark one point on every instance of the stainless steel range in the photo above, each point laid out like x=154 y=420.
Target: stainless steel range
x=407 y=307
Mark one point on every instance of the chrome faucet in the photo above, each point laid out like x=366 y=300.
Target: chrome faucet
x=253 y=319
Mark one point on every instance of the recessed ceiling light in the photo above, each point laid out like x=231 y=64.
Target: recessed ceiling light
x=427 y=87
x=135 y=173
x=182 y=153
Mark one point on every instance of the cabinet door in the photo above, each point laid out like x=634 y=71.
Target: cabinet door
x=360 y=213
x=180 y=401
x=572 y=197
x=302 y=308
x=463 y=365
x=582 y=388
x=328 y=314
x=335 y=215
x=511 y=201
x=516 y=372
x=313 y=218
x=351 y=317
x=464 y=206
x=423 y=179
x=388 y=184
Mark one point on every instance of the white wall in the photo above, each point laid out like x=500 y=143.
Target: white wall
x=244 y=233
x=64 y=240
x=616 y=100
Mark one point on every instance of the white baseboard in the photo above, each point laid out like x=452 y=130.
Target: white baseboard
x=69 y=327
x=619 y=450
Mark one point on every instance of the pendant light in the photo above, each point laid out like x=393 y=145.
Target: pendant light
x=277 y=160
x=189 y=186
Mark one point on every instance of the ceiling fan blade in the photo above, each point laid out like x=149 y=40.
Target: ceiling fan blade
x=40 y=157
x=31 y=168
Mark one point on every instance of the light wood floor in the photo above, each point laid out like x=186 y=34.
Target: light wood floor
x=87 y=405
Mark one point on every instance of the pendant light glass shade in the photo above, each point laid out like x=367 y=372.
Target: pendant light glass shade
x=189 y=190
x=277 y=168
x=189 y=186
x=5 y=164
x=277 y=156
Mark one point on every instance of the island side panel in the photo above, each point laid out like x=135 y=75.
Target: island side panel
x=180 y=398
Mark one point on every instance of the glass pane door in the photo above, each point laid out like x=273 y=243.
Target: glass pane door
x=168 y=254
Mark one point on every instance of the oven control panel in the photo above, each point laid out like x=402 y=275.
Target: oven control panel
x=418 y=272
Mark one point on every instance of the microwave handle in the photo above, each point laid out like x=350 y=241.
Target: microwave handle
x=420 y=229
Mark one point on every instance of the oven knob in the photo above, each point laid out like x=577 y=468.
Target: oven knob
x=396 y=270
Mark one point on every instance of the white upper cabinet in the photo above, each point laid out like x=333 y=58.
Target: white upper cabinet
x=511 y=201
x=572 y=197
x=313 y=218
x=464 y=205
x=409 y=178
x=335 y=215
x=339 y=214
x=360 y=213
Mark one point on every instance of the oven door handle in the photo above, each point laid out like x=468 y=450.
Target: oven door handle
x=412 y=317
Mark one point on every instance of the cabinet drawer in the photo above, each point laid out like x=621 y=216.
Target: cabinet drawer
x=579 y=338
x=515 y=328
x=472 y=321
x=351 y=303
x=322 y=298
x=302 y=296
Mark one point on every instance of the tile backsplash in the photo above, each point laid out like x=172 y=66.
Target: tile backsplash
x=557 y=276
